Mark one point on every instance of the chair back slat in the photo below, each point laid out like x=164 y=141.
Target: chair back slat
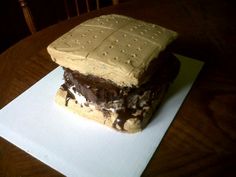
x=87 y=6
x=77 y=7
x=67 y=9
x=98 y=5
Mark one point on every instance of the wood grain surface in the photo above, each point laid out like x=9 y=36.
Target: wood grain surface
x=202 y=139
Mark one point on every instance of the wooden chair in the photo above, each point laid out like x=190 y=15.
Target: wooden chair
x=30 y=21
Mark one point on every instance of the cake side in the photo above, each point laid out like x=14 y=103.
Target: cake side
x=127 y=109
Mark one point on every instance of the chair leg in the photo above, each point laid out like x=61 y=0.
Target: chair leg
x=28 y=17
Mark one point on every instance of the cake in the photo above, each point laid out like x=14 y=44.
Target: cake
x=117 y=70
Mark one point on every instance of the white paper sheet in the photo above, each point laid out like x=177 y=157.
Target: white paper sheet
x=78 y=147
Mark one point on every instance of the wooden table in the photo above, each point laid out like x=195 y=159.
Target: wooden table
x=202 y=139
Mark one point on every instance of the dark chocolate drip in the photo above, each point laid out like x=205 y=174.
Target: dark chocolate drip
x=69 y=95
x=120 y=120
x=123 y=116
x=64 y=86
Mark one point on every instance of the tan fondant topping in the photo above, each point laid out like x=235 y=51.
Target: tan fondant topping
x=113 y=47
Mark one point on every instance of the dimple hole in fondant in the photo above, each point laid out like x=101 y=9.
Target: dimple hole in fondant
x=104 y=53
x=134 y=55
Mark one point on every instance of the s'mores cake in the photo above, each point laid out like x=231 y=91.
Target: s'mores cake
x=116 y=70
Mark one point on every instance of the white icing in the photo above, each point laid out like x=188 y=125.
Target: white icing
x=79 y=98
